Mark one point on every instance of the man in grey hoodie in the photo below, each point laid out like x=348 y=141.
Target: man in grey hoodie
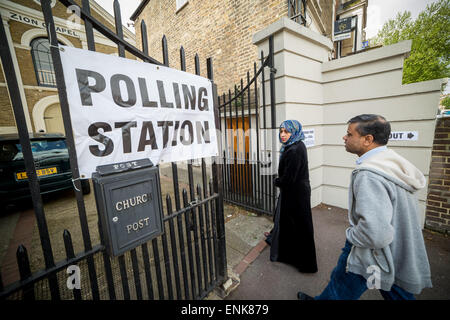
x=384 y=246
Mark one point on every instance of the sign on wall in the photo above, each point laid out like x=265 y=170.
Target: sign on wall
x=123 y=110
x=342 y=29
x=343 y=26
x=310 y=138
x=404 y=136
x=342 y=36
x=20 y=17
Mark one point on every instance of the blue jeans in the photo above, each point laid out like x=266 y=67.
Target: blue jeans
x=350 y=286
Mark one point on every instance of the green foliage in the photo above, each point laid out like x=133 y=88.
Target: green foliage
x=429 y=58
x=395 y=30
x=446 y=102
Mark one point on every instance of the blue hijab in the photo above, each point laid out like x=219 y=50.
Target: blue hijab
x=295 y=128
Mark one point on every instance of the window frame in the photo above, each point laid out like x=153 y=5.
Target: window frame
x=299 y=17
x=35 y=63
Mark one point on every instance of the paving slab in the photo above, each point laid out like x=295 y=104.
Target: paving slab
x=242 y=234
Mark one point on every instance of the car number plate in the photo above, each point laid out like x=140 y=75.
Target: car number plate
x=39 y=172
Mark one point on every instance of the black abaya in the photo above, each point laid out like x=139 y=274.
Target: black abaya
x=292 y=238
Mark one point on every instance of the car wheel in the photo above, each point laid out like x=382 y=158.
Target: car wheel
x=85 y=186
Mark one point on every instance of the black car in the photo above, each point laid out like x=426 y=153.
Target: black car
x=52 y=166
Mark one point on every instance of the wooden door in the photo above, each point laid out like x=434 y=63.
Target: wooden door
x=239 y=171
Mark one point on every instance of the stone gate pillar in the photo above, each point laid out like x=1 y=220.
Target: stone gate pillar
x=299 y=55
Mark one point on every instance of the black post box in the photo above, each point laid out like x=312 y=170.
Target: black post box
x=128 y=197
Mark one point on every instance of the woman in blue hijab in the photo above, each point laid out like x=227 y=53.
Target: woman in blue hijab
x=293 y=133
x=292 y=237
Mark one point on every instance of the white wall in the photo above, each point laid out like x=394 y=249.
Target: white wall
x=325 y=94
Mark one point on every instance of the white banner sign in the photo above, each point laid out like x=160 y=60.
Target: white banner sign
x=404 y=136
x=124 y=110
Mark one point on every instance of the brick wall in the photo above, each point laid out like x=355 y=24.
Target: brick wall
x=7 y=116
x=26 y=67
x=438 y=202
x=60 y=10
x=222 y=30
x=322 y=11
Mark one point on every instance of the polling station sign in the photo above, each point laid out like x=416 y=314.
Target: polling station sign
x=124 y=110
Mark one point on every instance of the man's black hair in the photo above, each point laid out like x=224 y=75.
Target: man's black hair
x=373 y=124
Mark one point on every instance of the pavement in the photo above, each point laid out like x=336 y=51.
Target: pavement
x=254 y=277
x=15 y=230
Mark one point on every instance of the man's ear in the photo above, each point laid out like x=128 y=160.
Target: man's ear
x=368 y=139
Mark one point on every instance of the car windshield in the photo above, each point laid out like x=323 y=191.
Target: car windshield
x=10 y=151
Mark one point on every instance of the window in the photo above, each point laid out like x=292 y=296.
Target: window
x=11 y=151
x=297 y=11
x=43 y=64
x=181 y=4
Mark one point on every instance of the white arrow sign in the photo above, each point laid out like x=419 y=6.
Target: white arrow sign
x=404 y=136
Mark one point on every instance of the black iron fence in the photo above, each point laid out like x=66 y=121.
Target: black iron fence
x=248 y=169
x=186 y=262
x=297 y=11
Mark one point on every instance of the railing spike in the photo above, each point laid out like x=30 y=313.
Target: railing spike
x=165 y=51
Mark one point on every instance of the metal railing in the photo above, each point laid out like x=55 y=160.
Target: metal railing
x=194 y=234
x=248 y=170
x=297 y=11
x=46 y=78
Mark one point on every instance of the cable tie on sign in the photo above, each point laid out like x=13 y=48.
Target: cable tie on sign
x=73 y=182
x=50 y=39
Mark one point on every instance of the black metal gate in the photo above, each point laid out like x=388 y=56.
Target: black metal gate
x=193 y=258
x=249 y=167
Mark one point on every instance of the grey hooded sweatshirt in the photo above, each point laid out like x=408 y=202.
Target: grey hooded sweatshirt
x=384 y=224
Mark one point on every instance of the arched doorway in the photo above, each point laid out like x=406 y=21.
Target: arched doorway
x=53 y=119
